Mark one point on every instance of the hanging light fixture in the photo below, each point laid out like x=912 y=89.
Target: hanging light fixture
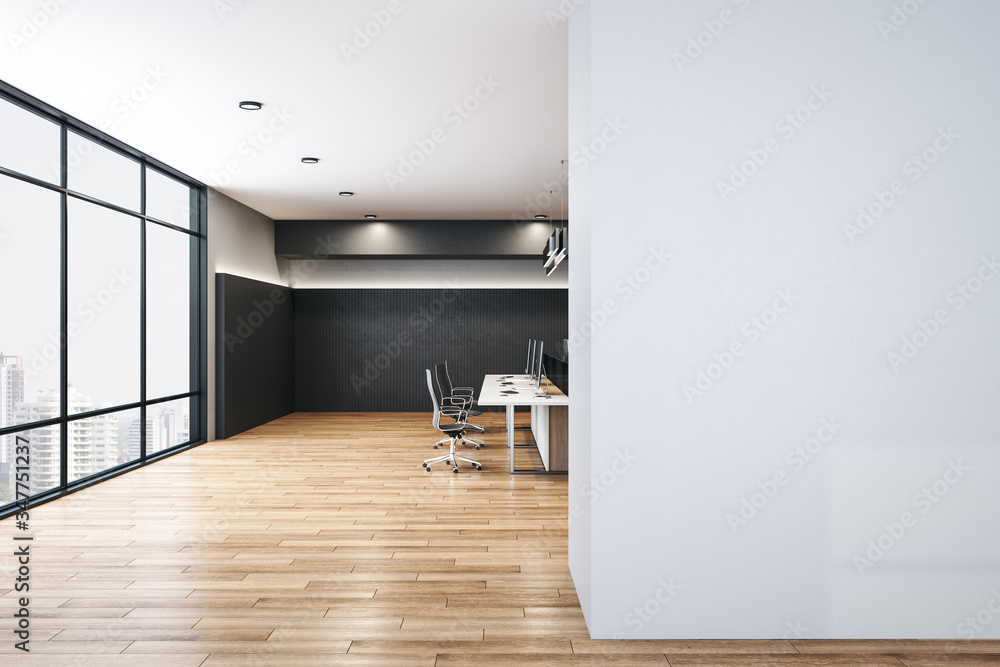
x=550 y=251
x=551 y=248
x=561 y=245
x=553 y=267
x=556 y=250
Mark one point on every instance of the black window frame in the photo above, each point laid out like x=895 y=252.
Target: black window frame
x=198 y=231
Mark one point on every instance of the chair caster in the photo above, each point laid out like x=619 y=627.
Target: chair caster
x=479 y=467
x=455 y=469
x=478 y=446
x=447 y=463
x=427 y=466
x=435 y=446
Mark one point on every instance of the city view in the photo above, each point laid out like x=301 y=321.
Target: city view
x=94 y=444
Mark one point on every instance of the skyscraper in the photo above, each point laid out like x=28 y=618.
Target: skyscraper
x=135 y=438
x=92 y=444
x=11 y=393
x=166 y=425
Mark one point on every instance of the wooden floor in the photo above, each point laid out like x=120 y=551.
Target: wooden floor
x=319 y=540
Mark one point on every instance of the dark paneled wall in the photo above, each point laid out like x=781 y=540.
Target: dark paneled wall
x=366 y=349
x=255 y=354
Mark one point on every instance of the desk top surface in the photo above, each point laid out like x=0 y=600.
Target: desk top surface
x=520 y=391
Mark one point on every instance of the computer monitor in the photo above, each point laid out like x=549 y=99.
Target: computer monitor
x=530 y=363
x=536 y=372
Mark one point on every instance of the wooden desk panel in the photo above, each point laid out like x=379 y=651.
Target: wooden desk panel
x=558 y=437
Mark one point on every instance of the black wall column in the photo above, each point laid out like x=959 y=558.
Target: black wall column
x=255 y=354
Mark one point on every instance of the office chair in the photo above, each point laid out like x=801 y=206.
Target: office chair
x=459 y=396
x=455 y=432
x=463 y=402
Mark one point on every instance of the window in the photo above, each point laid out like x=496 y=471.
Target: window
x=102 y=173
x=30 y=336
x=30 y=143
x=104 y=304
x=168 y=317
x=102 y=332
x=167 y=199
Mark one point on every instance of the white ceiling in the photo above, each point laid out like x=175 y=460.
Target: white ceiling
x=166 y=78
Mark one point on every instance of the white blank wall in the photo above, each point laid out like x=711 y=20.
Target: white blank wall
x=667 y=557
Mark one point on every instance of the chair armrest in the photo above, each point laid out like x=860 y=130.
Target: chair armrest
x=464 y=401
x=451 y=411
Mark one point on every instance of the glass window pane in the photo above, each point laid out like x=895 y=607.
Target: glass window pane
x=129 y=429
x=103 y=303
x=43 y=457
x=168 y=311
x=29 y=143
x=168 y=200
x=97 y=443
x=30 y=284
x=102 y=173
x=168 y=424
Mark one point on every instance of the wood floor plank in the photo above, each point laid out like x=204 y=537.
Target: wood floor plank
x=896 y=645
x=534 y=660
x=165 y=634
x=254 y=648
x=70 y=647
x=432 y=647
x=782 y=660
x=42 y=659
x=313 y=659
x=973 y=659
x=318 y=539
x=684 y=646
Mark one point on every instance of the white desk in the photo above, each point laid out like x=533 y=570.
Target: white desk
x=547 y=426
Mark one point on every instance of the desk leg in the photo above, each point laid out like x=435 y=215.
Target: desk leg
x=512 y=447
x=510 y=435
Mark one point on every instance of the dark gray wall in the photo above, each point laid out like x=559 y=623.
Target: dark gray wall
x=255 y=354
x=300 y=239
x=366 y=349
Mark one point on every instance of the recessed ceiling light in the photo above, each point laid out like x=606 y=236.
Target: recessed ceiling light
x=310 y=160
x=249 y=105
x=541 y=217
x=346 y=194
x=370 y=216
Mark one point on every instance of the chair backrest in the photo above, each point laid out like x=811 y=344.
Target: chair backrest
x=444 y=385
x=447 y=376
x=436 y=419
